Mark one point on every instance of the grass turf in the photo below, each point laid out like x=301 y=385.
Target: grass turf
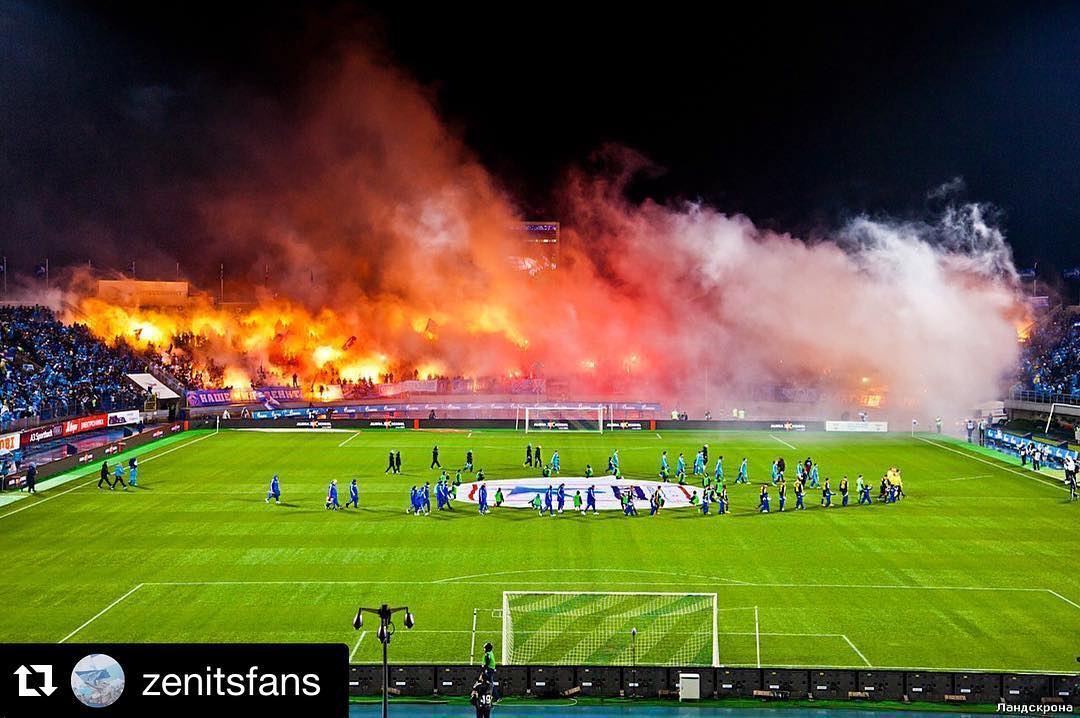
x=973 y=571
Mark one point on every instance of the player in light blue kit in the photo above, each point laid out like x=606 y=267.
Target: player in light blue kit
x=556 y=467
x=718 y=474
x=744 y=473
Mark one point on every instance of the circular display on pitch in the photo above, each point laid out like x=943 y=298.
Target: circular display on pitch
x=97 y=680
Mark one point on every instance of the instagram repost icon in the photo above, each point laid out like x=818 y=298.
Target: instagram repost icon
x=97 y=680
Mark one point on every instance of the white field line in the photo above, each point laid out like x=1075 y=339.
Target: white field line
x=757 y=632
x=357 y=644
x=348 y=440
x=1055 y=593
x=782 y=442
x=658 y=435
x=996 y=465
x=969 y=478
x=856 y=650
x=757 y=636
x=102 y=612
x=395 y=582
x=74 y=488
x=452 y=579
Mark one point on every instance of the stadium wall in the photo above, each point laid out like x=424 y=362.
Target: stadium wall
x=85 y=458
x=753 y=683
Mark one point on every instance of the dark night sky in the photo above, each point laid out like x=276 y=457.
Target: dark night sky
x=798 y=120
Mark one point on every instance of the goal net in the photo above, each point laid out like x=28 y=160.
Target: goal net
x=554 y=418
x=616 y=629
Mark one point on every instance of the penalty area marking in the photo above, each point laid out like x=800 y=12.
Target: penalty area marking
x=87 y=483
x=102 y=612
x=996 y=465
x=783 y=442
x=348 y=440
x=357 y=644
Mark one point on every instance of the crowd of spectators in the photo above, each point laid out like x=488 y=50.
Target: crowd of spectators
x=1050 y=361
x=52 y=370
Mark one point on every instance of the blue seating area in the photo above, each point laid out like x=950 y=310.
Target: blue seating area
x=1050 y=363
x=49 y=370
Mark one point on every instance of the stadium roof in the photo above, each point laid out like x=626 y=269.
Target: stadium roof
x=149 y=381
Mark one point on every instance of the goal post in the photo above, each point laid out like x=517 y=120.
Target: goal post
x=564 y=418
x=610 y=628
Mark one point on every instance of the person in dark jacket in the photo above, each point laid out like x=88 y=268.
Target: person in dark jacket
x=31 y=479
x=104 y=475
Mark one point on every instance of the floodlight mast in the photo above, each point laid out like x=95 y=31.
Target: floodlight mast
x=386 y=630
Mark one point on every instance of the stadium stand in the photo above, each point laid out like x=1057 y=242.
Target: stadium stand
x=49 y=370
x=1050 y=362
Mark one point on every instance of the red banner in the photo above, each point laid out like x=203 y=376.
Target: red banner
x=85 y=423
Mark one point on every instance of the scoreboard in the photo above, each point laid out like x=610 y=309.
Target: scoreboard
x=536 y=246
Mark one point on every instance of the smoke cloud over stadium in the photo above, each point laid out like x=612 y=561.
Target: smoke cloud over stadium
x=372 y=242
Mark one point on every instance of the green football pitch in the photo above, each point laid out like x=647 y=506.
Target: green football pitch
x=975 y=569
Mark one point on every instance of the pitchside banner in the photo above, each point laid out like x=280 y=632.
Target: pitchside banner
x=124 y=418
x=128 y=679
x=215 y=397
x=857 y=426
x=1014 y=442
x=9 y=442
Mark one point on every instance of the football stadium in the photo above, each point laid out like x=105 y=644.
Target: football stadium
x=335 y=379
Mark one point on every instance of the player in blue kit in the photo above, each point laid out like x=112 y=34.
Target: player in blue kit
x=843 y=491
x=331 y=496
x=590 y=499
x=722 y=500
x=826 y=494
x=548 y=501
x=275 y=491
x=864 y=493
x=482 y=502
x=561 y=497
x=799 y=495
x=354 y=495
x=781 y=492
x=763 y=500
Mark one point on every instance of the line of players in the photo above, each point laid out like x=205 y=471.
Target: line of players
x=545 y=502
